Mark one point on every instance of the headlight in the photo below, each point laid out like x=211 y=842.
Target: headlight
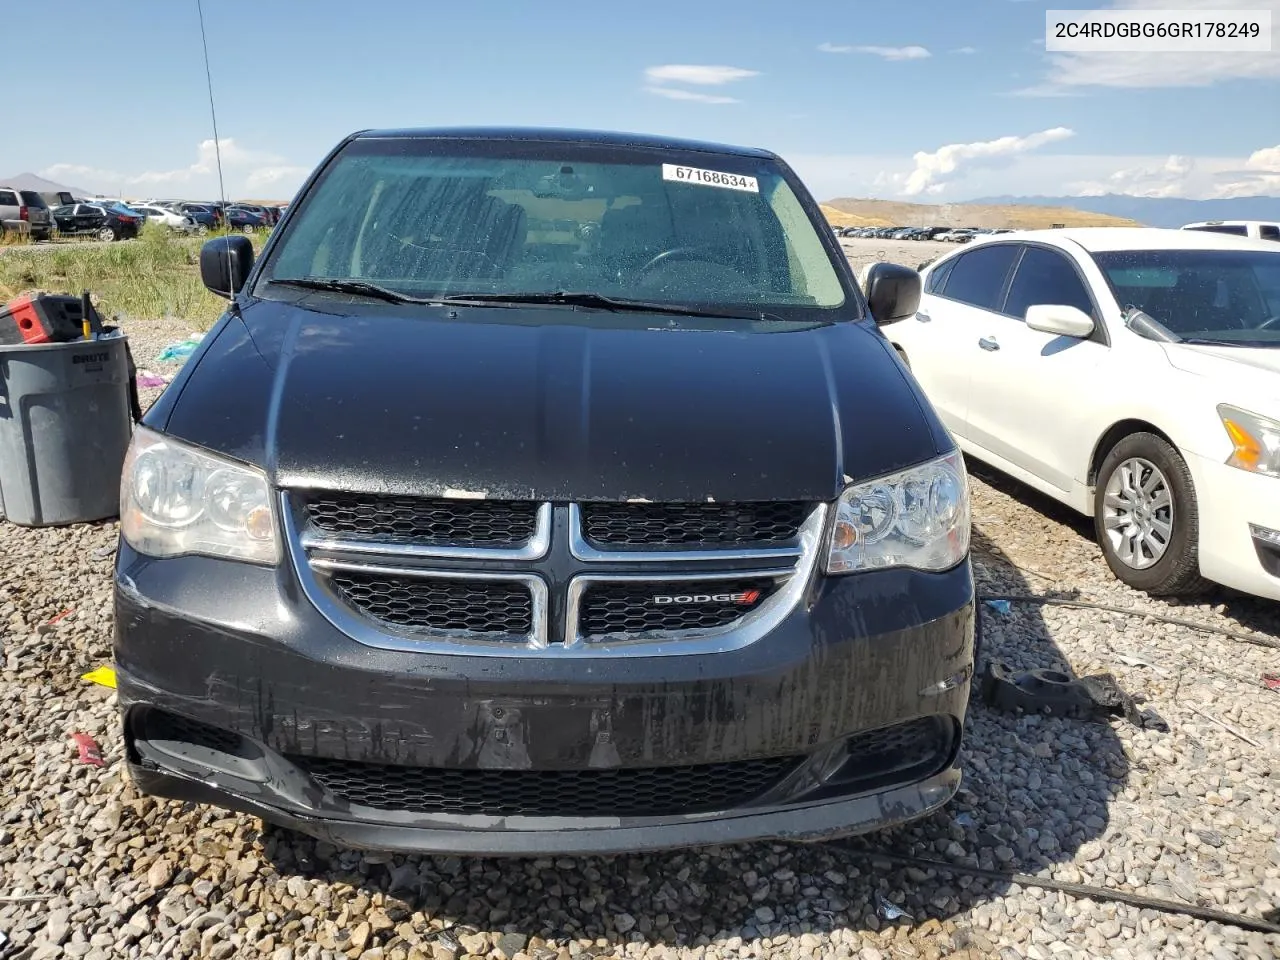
x=917 y=518
x=1256 y=440
x=176 y=499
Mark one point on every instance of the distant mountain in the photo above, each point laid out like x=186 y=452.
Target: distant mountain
x=1158 y=211
x=29 y=181
x=857 y=211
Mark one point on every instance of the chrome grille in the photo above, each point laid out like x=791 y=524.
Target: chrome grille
x=423 y=520
x=658 y=526
x=486 y=608
x=451 y=576
x=620 y=792
x=640 y=607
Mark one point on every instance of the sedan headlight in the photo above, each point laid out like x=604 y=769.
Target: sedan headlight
x=1256 y=440
x=917 y=518
x=177 y=499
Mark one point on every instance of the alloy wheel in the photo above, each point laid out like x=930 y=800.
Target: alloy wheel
x=1138 y=513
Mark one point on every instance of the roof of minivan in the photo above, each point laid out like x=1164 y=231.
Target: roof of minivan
x=551 y=135
x=1101 y=239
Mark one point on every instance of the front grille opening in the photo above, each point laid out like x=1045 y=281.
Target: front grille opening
x=685 y=526
x=489 y=608
x=625 y=792
x=654 y=606
x=154 y=724
x=898 y=754
x=492 y=524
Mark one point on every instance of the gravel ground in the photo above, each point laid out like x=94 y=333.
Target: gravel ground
x=89 y=869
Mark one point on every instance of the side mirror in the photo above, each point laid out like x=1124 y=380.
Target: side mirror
x=893 y=292
x=1060 y=320
x=225 y=262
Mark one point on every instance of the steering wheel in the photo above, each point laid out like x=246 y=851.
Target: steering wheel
x=1268 y=323
x=676 y=255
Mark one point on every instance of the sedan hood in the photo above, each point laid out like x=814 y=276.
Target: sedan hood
x=550 y=403
x=1255 y=370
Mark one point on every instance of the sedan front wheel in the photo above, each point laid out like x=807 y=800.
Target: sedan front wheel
x=1146 y=519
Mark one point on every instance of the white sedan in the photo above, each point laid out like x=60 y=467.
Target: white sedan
x=168 y=218
x=1133 y=374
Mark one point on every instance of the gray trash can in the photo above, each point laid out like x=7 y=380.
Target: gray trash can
x=65 y=423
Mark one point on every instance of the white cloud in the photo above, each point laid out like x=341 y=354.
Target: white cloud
x=273 y=176
x=934 y=170
x=1200 y=178
x=698 y=75
x=675 y=93
x=242 y=167
x=1171 y=178
x=1041 y=172
x=965 y=50
x=1080 y=71
x=888 y=53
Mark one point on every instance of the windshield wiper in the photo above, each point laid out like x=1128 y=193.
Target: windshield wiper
x=361 y=288
x=584 y=298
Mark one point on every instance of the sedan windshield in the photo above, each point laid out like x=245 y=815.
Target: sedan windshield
x=1214 y=296
x=435 y=218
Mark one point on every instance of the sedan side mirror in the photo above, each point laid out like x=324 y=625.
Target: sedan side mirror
x=225 y=262
x=893 y=292
x=1060 y=320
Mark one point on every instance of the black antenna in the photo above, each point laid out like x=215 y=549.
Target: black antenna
x=217 y=146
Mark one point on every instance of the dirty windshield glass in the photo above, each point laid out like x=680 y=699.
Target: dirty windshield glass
x=451 y=218
x=1221 y=296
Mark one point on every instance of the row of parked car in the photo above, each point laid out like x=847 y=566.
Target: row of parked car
x=944 y=234
x=41 y=216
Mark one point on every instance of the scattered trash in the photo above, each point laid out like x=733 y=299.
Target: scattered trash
x=1271 y=681
x=65 y=613
x=180 y=350
x=1133 y=661
x=103 y=676
x=999 y=606
x=90 y=752
x=1051 y=692
x=146 y=378
x=889 y=910
x=1235 y=732
x=964 y=820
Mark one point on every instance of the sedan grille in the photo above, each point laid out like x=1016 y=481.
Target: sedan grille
x=625 y=607
x=495 y=607
x=421 y=520
x=655 y=526
x=623 y=792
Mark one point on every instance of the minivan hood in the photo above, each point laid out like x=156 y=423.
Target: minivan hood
x=549 y=404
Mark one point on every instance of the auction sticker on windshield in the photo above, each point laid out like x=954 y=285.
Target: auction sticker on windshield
x=709 y=178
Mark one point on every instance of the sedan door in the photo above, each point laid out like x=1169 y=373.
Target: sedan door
x=1029 y=389
x=940 y=341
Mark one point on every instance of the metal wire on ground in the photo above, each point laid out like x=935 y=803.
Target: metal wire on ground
x=1255 y=639
x=1086 y=890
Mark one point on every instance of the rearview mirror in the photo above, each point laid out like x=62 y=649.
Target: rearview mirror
x=225 y=262
x=893 y=292
x=1060 y=320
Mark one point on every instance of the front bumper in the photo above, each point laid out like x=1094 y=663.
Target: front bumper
x=1230 y=500
x=238 y=650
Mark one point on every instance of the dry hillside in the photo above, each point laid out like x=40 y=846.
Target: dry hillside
x=860 y=212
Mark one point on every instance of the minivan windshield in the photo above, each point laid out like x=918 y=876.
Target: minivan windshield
x=437 y=218
x=1203 y=296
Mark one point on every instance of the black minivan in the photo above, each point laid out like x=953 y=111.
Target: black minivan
x=547 y=491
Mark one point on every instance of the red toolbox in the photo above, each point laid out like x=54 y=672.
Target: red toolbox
x=42 y=318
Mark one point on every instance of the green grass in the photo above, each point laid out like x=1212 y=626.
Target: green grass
x=155 y=276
